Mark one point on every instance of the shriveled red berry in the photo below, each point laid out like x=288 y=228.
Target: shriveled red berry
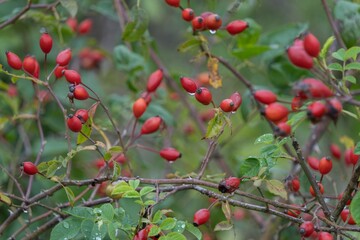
x=321 y=189
x=29 y=168
x=151 y=125
x=311 y=45
x=59 y=71
x=229 y=185
x=198 y=23
x=237 y=100
x=80 y=93
x=282 y=129
x=64 y=57
x=325 y=165
x=312 y=88
x=173 y=3
x=154 y=80
x=170 y=154
x=213 y=22
x=74 y=123
x=346 y=216
x=313 y=162
x=350 y=157
x=276 y=111
x=236 y=27
x=227 y=105
x=295 y=184
x=333 y=108
x=296 y=103
x=46 y=42
x=265 y=96
x=82 y=114
x=188 y=84
x=201 y=217
x=306 y=228
x=13 y=60
x=188 y=14
x=203 y=95
x=72 y=76
x=72 y=23
x=85 y=26
x=299 y=57
x=139 y=107
x=325 y=236
x=29 y=64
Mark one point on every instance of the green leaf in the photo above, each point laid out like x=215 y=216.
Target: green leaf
x=70 y=195
x=354 y=208
x=247 y=52
x=194 y=230
x=339 y=54
x=127 y=60
x=350 y=78
x=168 y=224
x=131 y=194
x=357 y=149
x=251 y=35
x=5 y=199
x=247 y=105
x=157 y=216
x=116 y=171
x=250 y=167
x=80 y=212
x=137 y=25
x=146 y=190
x=67 y=229
x=175 y=236
x=107 y=211
x=215 y=126
x=85 y=132
x=189 y=44
x=121 y=188
x=353 y=65
x=326 y=47
x=112 y=229
x=335 y=67
x=71 y=6
x=276 y=187
x=134 y=183
x=179 y=227
x=49 y=168
x=223 y=226
x=266 y=138
x=352 y=53
x=154 y=230
x=149 y=202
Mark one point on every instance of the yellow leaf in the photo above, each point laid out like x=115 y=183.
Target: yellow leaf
x=5 y=199
x=347 y=142
x=215 y=78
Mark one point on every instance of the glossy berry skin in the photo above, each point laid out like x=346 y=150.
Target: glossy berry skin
x=229 y=185
x=321 y=188
x=213 y=22
x=201 y=217
x=188 y=14
x=237 y=100
x=29 y=168
x=311 y=45
x=299 y=57
x=227 y=105
x=29 y=64
x=295 y=184
x=59 y=71
x=325 y=236
x=198 y=23
x=306 y=228
x=82 y=114
x=276 y=111
x=154 y=80
x=173 y=3
x=313 y=162
x=265 y=96
x=170 y=154
x=74 y=123
x=72 y=23
x=345 y=217
x=282 y=129
x=335 y=151
x=188 y=84
x=80 y=93
x=72 y=76
x=139 y=107
x=64 y=57
x=85 y=26
x=151 y=125
x=203 y=95
x=13 y=60
x=325 y=165
x=312 y=88
x=350 y=157
x=236 y=27
x=46 y=43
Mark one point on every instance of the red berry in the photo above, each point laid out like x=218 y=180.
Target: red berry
x=139 y=107
x=325 y=236
x=203 y=95
x=313 y=162
x=282 y=129
x=29 y=64
x=82 y=114
x=173 y=3
x=213 y=22
x=325 y=165
x=36 y=73
x=188 y=14
x=151 y=125
x=227 y=105
x=296 y=103
x=295 y=184
x=276 y=111
x=299 y=57
x=293 y=212
x=59 y=71
x=265 y=96
x=12 y=90
x=13 y=60
x=351 y=157
x=64 y=57
x=198 y=23
x=311 y=45
x=154 y=80
x=346 y=216
x=236 y=27
x=237 y=100
x=72 y=76
x=170 y=154
x=229 y=185
x=85 y=26
x=80 y=93
x=29 y=168
x=121 y=158
x=335 y=151
x=306 y=229
x=188 y=84
x=312 y=88
x=201 y=217
x=46 y=43
x=321 y=189
x=333 y=108
x=99 y=163
x=74 y=123
x=316 y=110
x=72 y=23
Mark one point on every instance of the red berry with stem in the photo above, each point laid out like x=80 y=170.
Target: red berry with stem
x=295 y=184
x=82 y=114
x=203 y=95
x=173 y=3
x=170 y=154
x=276 y=111
x=154 y=80
x=29 y=64
x=229 y=185
x=312 y=88
x=74 y=123
x=198 y=23
x=213 y=22
x=188 y=14
x=227 y=105
x=311 y=45
x=236 y=27
x=72 y=76
x=265 y=96
x=139 y=107
x=299 y=57
x=201 y=217
x=313 y=162
x=13 y=60
x=151 y=125
x=346 y=216
x=188 y=84
x=59 y=71
x=237 y=100
x=46 y=42
x=85 y=26
x=325 y=236
x=306 y=228
x=282 y=129
x=72 y=23
x=80 y=93
x=64 y=57
x=325 y=165
x=321 y=189
x=29 y=168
